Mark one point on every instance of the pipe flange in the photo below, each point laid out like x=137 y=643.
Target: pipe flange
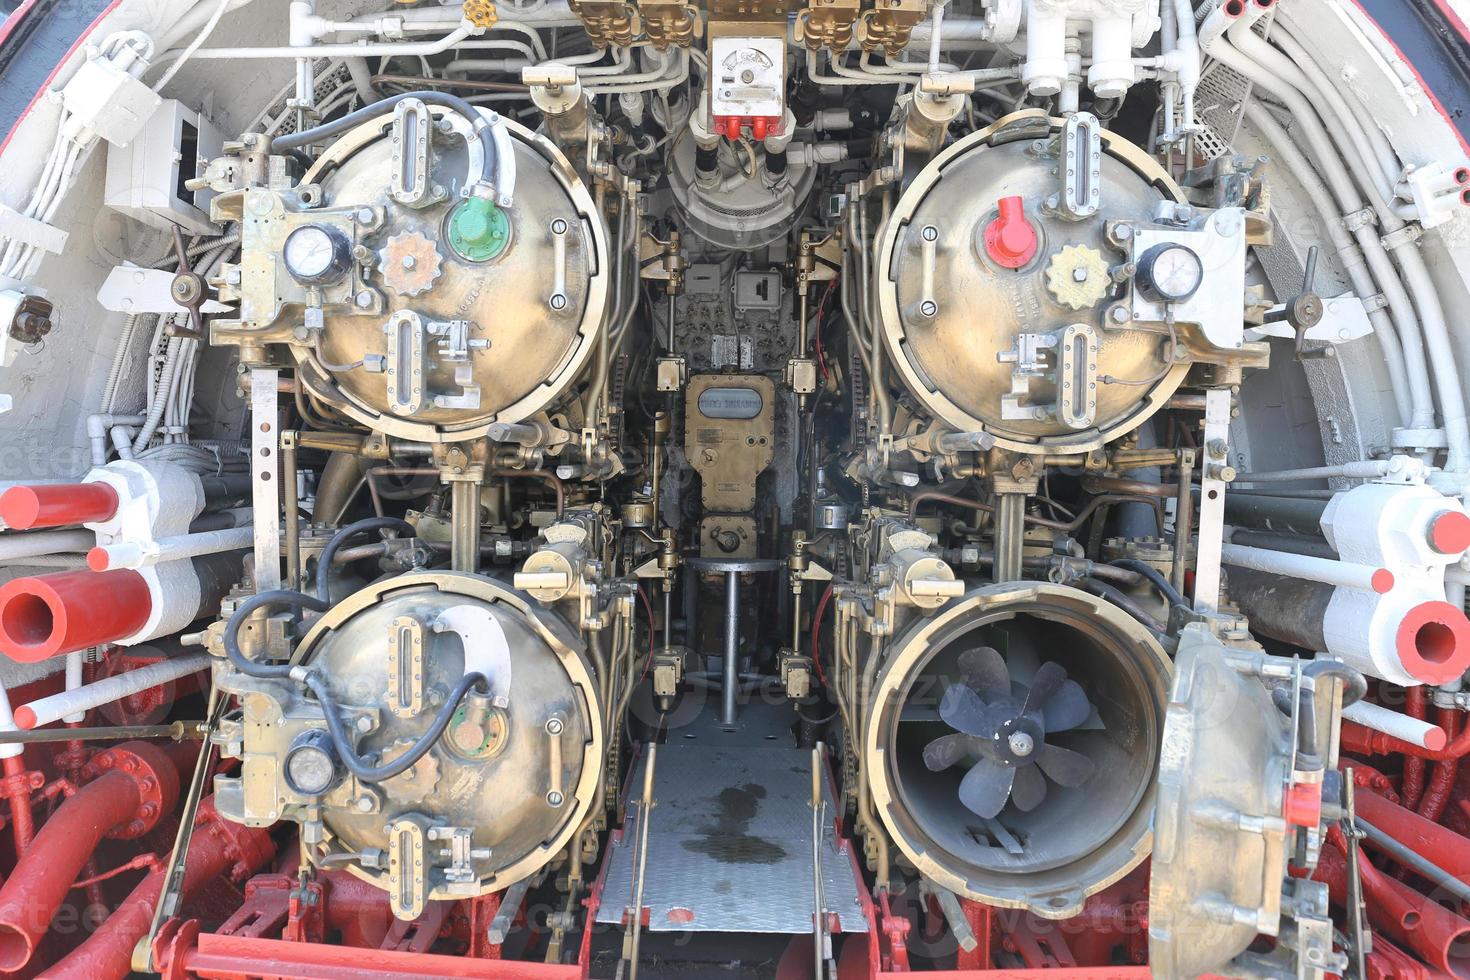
x=248 y=848
x=171 y=948
x=153 y=774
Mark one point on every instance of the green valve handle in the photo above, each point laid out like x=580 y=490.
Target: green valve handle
x=478 y=230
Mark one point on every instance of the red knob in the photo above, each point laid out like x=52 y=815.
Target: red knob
x=1010 y=239
x=1449 y=533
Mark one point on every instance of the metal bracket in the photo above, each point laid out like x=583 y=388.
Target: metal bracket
x=486 y=650
x=265 y=487
x=1211 y=506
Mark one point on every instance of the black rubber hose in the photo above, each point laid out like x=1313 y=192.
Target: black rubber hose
x=1306 y=716
x=342 y=740
x=1153 y=575
x=324 y=562
x=1354 y=684
x=326 y=131
x=1124 y=602
x=231 y=635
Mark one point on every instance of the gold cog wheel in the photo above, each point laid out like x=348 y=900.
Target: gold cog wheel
x=1077 y=277
x=481 y=13
x=409 y=263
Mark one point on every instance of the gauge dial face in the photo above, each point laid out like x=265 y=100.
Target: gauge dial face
x=1172 y=272
x=314 y=255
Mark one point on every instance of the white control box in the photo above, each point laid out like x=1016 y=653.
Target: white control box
x=145 y=179
x=105 y=99
x=748 y=77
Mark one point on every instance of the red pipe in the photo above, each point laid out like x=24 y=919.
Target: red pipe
x=1426 y=838
x=1439 y=936
x=46 y=615
x=1368 y=778
x=18 y=791
x=1412 y=788
x=1362 y=741
x=34 y=891
x=217 y=847
x=1443 y=782
x=145 y=784
x=57 y=505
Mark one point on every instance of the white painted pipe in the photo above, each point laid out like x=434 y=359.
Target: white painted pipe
x=98 y=429
x=32 y=544
x=8 y=750
x=1364 y=469
x=107 y=691
x=407 y=49
x=74 y=662
x=131 y=554
x=1309 y=567
x=1400 y=726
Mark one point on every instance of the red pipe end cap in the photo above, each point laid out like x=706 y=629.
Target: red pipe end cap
x=1382 y=579
x=1449 y=533
x=97 y=559
x=1433 y=642
x=1010 y=239
x=1435 y=739
x=47 y=615
x=57 y=505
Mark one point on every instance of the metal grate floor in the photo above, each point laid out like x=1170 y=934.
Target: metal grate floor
x=730 y=845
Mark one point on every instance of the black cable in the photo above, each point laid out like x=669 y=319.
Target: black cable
x=1153 y=575
x=231 y=634
x=342 y=740
x=324 y=562
x=326 y=131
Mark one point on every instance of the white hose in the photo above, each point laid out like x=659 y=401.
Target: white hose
x=1380 y=155
x=1412 y=399
x=1439 y=350
x=194 y=45
x=160 y=400
x=1350 y=201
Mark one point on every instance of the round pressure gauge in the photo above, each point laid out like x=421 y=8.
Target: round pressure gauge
x=311 y=763
x=316 y=255
x=1170 y=273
